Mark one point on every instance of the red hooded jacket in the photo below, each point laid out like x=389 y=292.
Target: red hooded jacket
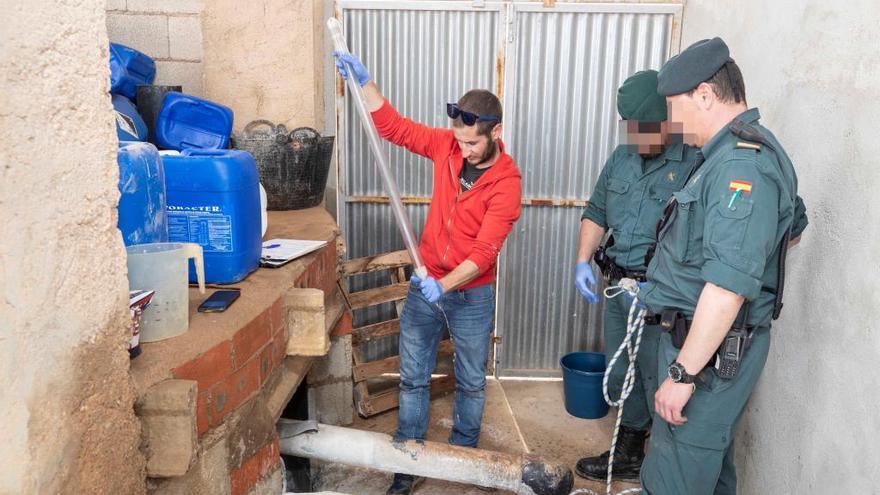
x=469 y=225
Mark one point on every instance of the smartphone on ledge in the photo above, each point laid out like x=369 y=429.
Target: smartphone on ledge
x=219 y=301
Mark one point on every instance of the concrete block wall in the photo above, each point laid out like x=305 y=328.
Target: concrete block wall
x=331 y=391
x=170 y=31
x=168 y=411
x=265 y=59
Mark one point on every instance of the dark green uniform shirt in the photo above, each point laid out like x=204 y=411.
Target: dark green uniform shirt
x=629 y=198
x=728 y=226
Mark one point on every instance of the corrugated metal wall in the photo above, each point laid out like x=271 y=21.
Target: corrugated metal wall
x=561 y=128
x=561 y=70
x=421 y=59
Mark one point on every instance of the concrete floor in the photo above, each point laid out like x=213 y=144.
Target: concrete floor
x=519 y=416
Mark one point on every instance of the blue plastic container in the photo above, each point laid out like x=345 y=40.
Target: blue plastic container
x=214 y=201
x=129 y=124
x=188 y=122
x=143 y=217
x=128 y=68
x=582 y=374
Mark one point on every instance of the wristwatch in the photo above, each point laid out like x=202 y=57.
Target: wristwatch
x=678 y=374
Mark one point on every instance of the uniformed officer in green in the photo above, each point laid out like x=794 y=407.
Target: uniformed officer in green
x=634 y=185
x=720 y=249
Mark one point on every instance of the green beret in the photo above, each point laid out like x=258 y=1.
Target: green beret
x=689 y=68
x=637 y=98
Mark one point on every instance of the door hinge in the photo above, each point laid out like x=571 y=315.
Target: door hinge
x=496 y=339
x=511 y=22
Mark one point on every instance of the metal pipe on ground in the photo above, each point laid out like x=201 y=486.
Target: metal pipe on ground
x=523 y=474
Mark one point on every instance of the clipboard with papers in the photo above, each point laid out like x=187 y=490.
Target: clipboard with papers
x=278 y=252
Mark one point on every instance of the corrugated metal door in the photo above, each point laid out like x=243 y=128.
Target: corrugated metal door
x=563 y=70
x=556 y=70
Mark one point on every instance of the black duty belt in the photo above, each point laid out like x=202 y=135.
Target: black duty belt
x=614 y=272
x=727 y=357
x=673 y=320
x=652 y=319
x=611 y=271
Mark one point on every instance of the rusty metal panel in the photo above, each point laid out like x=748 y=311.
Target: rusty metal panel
x=564 y=66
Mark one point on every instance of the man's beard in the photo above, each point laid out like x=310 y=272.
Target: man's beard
x=489 y=153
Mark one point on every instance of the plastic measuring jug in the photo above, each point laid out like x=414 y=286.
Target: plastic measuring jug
x=164 y=268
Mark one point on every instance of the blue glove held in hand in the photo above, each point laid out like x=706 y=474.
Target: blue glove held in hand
x=583 y=275
x=344 y=61
x=430 y=288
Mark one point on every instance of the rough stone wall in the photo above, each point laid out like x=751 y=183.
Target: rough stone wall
x=263 y=59
x=68 y=423
x=813 y=69
x=170 y=31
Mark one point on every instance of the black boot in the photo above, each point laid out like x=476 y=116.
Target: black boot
x=628 y=458
x=404 y=484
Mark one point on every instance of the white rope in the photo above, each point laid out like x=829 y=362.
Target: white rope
x=635 y=325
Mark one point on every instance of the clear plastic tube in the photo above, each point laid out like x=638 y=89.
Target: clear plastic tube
x=403 y=223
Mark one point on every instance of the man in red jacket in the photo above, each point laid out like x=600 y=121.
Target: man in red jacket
x=476 y=201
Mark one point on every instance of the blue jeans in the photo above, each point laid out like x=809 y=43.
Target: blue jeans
x=468 y=315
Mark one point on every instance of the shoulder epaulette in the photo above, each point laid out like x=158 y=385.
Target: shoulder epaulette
x=748 y=145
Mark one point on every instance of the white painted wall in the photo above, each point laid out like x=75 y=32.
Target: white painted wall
x=813 y=68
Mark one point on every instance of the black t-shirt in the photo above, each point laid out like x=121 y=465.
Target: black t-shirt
x=469 y=175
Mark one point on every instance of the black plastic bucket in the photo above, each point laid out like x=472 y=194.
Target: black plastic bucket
x=149 y=103
x=293 y=165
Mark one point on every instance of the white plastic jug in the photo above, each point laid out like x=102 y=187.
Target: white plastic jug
x=164 y=268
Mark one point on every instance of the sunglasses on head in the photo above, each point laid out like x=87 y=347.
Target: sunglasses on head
x=469 y=119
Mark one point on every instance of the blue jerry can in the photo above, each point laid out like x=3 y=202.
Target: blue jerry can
x=214 y=201
x=128 y=69
x=188 y=122
x=143 y=216
x=130 y=126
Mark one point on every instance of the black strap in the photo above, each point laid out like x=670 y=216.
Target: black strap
x=746 y=311
x=780 y=274
x=700 y=159
x=603 y=261
x=669 y=208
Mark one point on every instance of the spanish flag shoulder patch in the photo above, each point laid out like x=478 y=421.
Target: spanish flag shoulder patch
x=740 y=185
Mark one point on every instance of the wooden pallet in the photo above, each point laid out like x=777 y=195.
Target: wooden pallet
x=395 y=263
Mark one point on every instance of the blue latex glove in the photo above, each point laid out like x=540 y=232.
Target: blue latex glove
x=583 y=275
x=344 y=61
x=431 y=289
